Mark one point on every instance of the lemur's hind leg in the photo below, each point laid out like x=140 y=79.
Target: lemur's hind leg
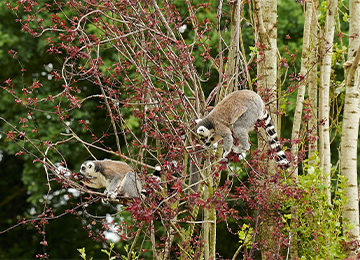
x=242 y=126
x=130 y=186
x=228 y=140
x=242 y=135
x=112 y=190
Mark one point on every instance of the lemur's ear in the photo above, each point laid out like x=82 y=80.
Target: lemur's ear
x=197 y=120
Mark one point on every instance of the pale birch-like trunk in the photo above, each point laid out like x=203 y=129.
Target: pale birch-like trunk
x=324 y=102
x=298 y=116
x=301 y=90
x=265 y=12
x=350 y=127
x=231 y=65
x=312 y=84
x=231 y=78
x=206 y=225
x=209 y=225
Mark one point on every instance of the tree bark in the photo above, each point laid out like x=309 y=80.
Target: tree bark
x=232 y=69
x=350 y=127
x=324 y=131
x=209 y=226
x=301 y=90
x=305 y=57
x=312 y=86
x=265 y=12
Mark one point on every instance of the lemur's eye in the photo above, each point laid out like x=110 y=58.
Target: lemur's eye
x=90 y=166
x=83 y=168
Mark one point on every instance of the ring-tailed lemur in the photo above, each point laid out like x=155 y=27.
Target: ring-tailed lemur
x=238 y=113
x=116 y=176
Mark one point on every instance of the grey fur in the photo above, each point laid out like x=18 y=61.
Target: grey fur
x=117 y=177
x=238 y=113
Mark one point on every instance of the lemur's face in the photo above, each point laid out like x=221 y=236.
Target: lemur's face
x=203 y=132
x=209 y=137
x=87 y=172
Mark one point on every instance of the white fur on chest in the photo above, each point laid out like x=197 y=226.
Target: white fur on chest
x=97 y=180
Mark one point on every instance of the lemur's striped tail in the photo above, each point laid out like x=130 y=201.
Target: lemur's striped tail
x=274 y=141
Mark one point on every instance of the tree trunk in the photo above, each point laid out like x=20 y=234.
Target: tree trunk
x=312 y=86
x=209 y=225
x=350 y=127
x=265 y=12
x=325 y=154
x=301 y=90
x=298 y=116
x=232 y=69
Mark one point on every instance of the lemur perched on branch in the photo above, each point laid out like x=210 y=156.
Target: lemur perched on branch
x=237 y=114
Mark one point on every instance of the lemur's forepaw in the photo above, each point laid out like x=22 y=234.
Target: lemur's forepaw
x=110 y=195
x=242 y=156
x=225 y=154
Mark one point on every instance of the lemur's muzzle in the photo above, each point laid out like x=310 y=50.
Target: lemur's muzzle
x=80 y=176
x=207 y=141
